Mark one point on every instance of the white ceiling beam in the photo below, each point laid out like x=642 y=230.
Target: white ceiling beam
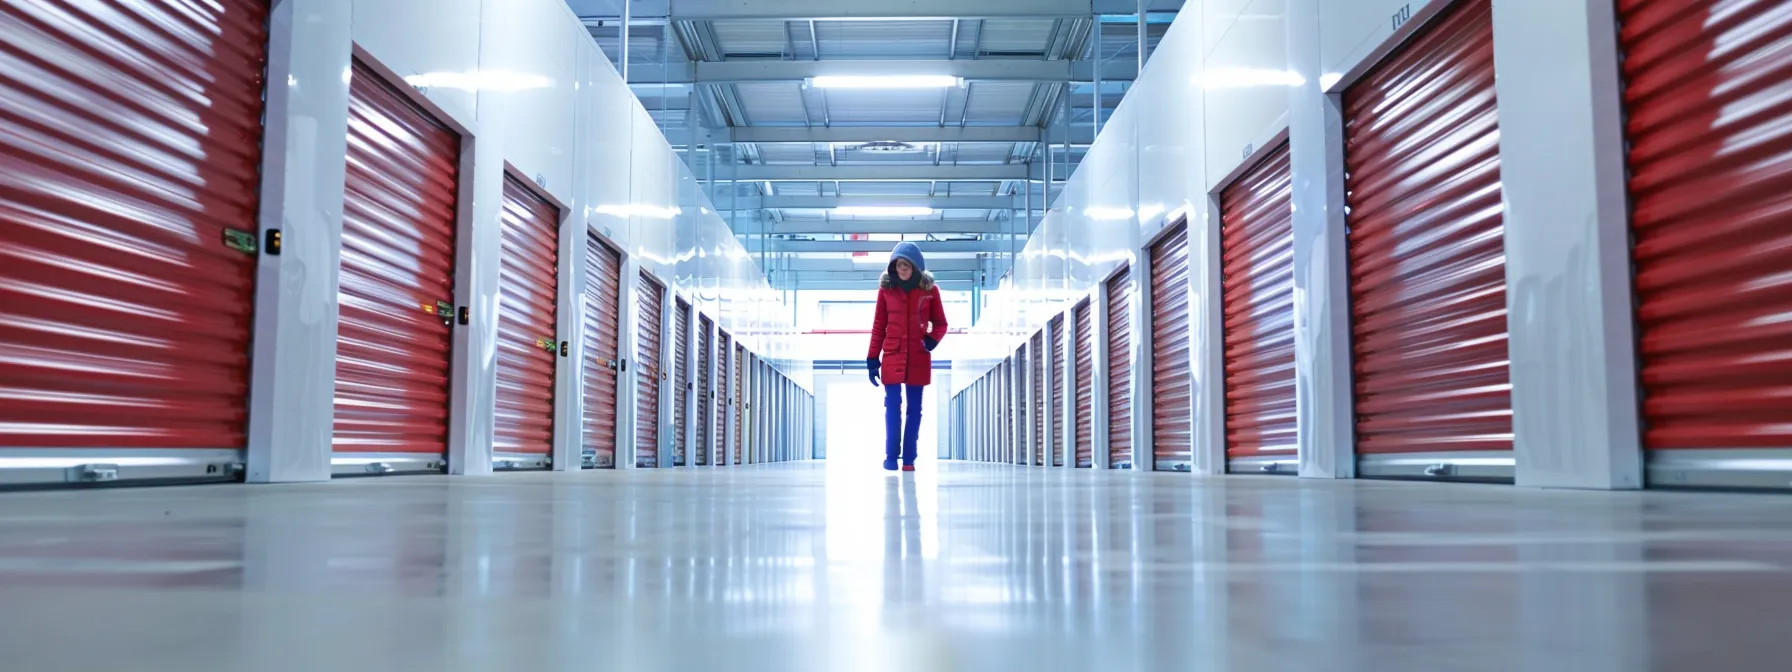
x=750 y=71
x=938 y=266
x=883 y=247
x=774 y=134
x=820 y=10
x=893 y=173
x=914 y=227
x=831 y=202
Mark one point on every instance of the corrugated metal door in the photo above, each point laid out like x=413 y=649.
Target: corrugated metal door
x=706 y=392
x=724 y=362
x=128 y=160
x=602 y=335
x=1085 y=385
x=527 y=338
x=1172 y=444
x=1710 y=173
x=681 y=377
x=1257 y=281
x=1427 y=256
x=649 y=306
x=740 y=401
x=1059 y=421
x=1120 y=370
x=1040 y=357
x=396 y=293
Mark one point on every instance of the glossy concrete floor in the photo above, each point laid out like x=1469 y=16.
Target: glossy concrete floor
x=841 y=567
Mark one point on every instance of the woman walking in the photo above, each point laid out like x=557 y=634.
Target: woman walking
x=910 y=323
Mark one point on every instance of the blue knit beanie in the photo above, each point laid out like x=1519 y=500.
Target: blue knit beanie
x=912 y=253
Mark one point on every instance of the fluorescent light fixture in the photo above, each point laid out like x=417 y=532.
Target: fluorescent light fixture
x=883 y=81
x=884 y=210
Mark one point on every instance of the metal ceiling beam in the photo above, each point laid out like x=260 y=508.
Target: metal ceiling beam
x=829 y=10
x=863 y=284
x=939 y=267
x=894 y=173
x=735 y=10
x=882 y=247
x=830 y=202
x=1001 y=134
x=799 y=227
x=749 y=71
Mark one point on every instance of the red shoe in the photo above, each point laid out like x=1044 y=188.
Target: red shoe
x=908 y=467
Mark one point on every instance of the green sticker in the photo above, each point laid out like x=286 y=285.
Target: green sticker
x=241 y=241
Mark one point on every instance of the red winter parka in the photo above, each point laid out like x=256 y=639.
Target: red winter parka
x=903 y=317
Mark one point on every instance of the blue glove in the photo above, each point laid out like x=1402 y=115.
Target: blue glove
x=872 y=365
x=930 y=343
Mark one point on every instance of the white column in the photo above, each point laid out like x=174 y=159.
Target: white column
x=1323 y=404
x=1099 y=440
x=569 y=369
x=1574 y=396
x=1207 y=346
x=293 y=375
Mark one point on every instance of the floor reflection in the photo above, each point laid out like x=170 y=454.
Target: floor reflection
x=844 y=566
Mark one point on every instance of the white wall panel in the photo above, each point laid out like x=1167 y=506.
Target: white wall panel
x=1246 y=80
x=1355 y=33
x=438 y=50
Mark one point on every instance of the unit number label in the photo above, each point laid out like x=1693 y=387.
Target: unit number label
x=1401 y=17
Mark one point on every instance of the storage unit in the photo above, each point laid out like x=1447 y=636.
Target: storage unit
x=681 y=378
x=650 y=304
x=1040 y=359
x=601 y=333
x=127 y=284
x=1172 y=434
x=1085 y=385
x=1119 y=351
x=1710 y=172
x=395 y=296
x=1005 y=409
x=706 y=391
x=1059 y=418
x=1257 y=296
x=724 y=362
x=523 y=427
x=740 y=402
x=1427 y=256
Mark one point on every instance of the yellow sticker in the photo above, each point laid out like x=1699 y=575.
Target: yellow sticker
x=429 y=308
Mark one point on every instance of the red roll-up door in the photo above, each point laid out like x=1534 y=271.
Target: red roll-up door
x=740 y=401
x=1711 y=189
x=396 y=293
x=1257 y=281
x=1085 y=385
x=1427 y=257
x=648 y=307
x=1059 y=422
x=1040 y=357
x=602 y=335
x=1172 y=444
x=1120 y=370
x=724 y=360
x=128 y=155
x=528 y=285
x=706 y=393
x=681 y=377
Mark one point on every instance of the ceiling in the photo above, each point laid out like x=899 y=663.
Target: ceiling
x=807 y=174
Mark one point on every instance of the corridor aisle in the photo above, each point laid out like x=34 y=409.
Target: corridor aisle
x=815 y=566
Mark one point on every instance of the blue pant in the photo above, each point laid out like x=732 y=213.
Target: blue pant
x=896 y=432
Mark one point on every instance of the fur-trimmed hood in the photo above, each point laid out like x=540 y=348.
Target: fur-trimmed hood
x=888 y=281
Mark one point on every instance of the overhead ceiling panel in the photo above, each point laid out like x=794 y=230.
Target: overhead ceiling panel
x=787 y=154
x=1016 y=37
x=772 y=102
x=978 y=153
x=883 y=188
x=884 y=106
x=1002 y=103
x=752 y=38
x=884 y=39
x=796 y=188
x=972 y=188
